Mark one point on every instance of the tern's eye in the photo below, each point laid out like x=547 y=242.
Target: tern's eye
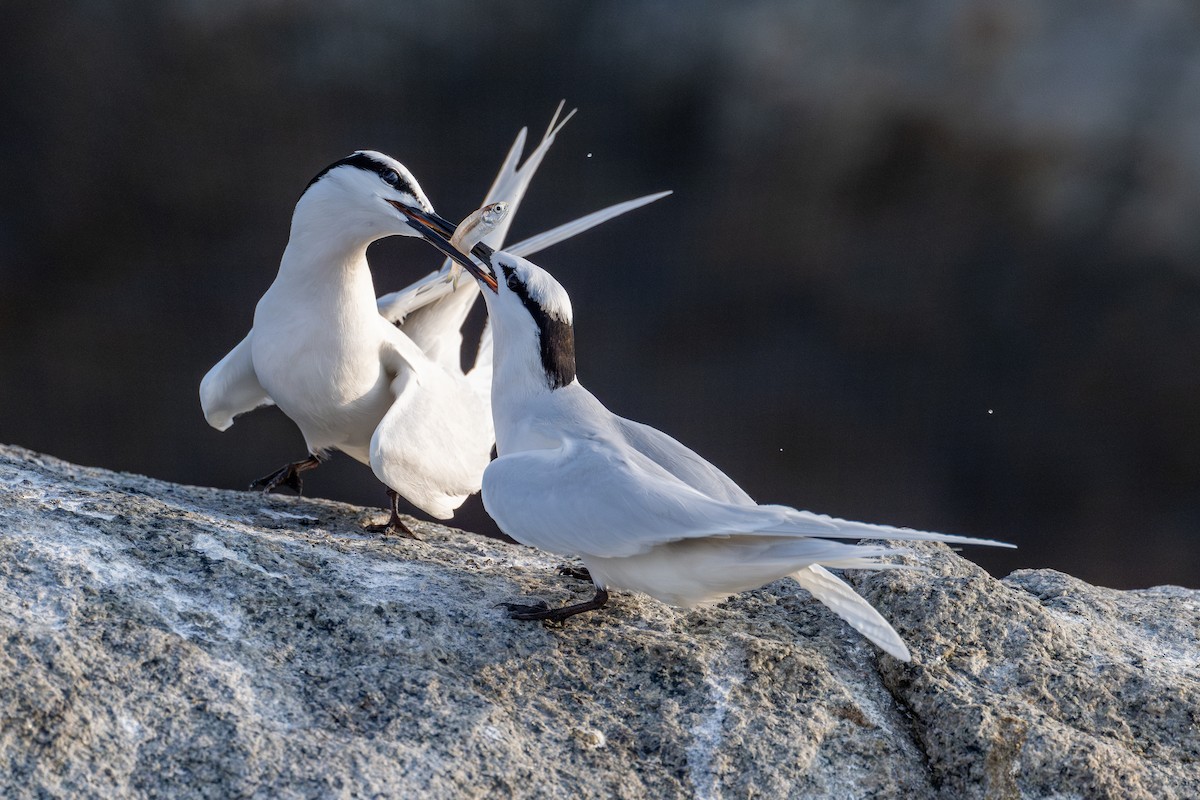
x=390 y=177
x=510 y=277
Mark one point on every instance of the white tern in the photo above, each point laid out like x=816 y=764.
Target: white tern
x=642 y=512
x=378 y=379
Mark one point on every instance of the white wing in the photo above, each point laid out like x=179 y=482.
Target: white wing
x=231 y=387
x=681 y=462
x=435 y=286
x=396 y=306
x=435 y=322
x=434 y=441
x=539 y=242
x=512 y=181
x=589 y=497
x=436 y=327
x=432 y=311
x=432 y=315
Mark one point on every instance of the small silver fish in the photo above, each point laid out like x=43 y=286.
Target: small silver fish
x=478 y=225
x=472 y=229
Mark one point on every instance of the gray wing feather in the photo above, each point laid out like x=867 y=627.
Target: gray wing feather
x=588 y=497
x=681 y=462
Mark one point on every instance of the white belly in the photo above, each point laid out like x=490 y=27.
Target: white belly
x=333 y=387
x=691 y=572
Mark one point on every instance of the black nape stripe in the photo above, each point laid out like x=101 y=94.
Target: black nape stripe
x=364 y=161
x=558 y=350
x=556 y=337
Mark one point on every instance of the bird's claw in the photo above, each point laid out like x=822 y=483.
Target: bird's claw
x=288 y=475
x=542 y=610
x=395 y=525
x=578 y=573
x=392 y=528
x=537 y=610
x=283 y=477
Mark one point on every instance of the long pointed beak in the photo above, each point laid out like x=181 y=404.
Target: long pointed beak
x=436 y=230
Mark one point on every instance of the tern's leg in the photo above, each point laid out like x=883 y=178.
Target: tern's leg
x=288 y=475
x=578 y=573
x=518 y=611
x=394 y=526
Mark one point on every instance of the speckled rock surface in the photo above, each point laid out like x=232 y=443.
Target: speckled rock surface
x=162 y=640
x=1041 y=685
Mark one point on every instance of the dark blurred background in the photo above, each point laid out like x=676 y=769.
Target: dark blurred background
x=934 y=264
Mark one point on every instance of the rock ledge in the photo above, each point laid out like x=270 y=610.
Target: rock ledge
x=163 y=640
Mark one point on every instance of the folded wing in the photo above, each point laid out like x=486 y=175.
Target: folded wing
x=612 y=502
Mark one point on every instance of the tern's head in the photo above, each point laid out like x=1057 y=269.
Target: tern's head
x=531 y=316
x=367 y=196
x=531 y=312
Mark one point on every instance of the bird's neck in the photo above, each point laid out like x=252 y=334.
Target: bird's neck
x=517 y=376
x=523 y=388
x=327 y=267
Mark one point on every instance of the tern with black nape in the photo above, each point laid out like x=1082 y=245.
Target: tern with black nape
x=378 y=379
x=642 y=511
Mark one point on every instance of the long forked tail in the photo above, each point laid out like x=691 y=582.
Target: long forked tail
x=793 y=522
x=839 y=598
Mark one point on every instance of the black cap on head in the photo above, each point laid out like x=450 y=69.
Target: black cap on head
x=365 y=161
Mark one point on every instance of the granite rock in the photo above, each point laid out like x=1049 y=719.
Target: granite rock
x=164 y=640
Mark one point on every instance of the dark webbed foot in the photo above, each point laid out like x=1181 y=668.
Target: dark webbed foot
x=543 y=611
x=526 y=611
x=578 y=573
x=394 y=526
x=288 y=475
